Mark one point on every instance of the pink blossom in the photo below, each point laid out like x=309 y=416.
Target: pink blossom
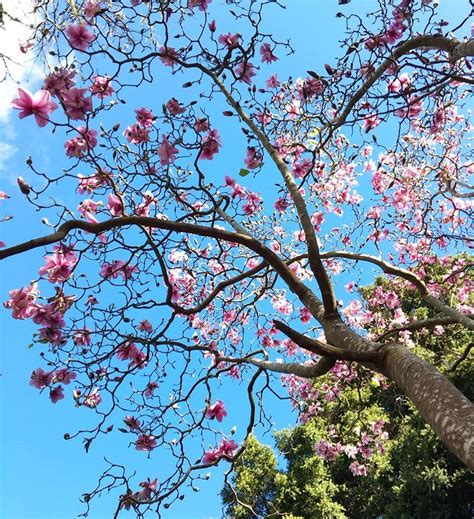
x=132 y=422
x=150 y=388
x=216 y=410
x=245 y=71
x=305 y=315
x=89 y=184
x=64 y=376
x=93 y=399
x=79 y=37
x=254 y=158
x=77 y=146
x=145 y=442
x=39 y=105
x=365 y=450
x=413 y=110
x=312 y=87
x=88 y=209
x=290 y=346
x=174 y=107
x=166 y=151
x=392 y=300
x=267 y=53
x=149 y=488
x=129 y=351
x=202 y=125
x=234 y=372
x=116 y=268
x=76 y=104
x=210 y=145
x=59 y=266
x=91 y=8
x=211 y=456
x=137 y=134
x=115 y=205
x=168 y=56
x=59 y=81
x=252 y=204
x=272 y=81
x=358 y=469
x=40 y=379
x=101 y=86
x=57 y=393
x=26 y=46
x=202 y=4
x=302 y=168
x=229 y=40
x=82 y=337
x=281 y=205
x=371 y=122
x=22 y=301
x=145 y=117
x=48 y=315
x=145 y=326
x=327 y=450
x=264 y=117
x=317 y=220
x=227 y=448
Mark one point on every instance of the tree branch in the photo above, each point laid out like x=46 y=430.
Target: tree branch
x=291 y=368
x=420 y=325
x=431 y=300
x=305 y=295
x=317 y=267
x=452 y=46
x=326 y=350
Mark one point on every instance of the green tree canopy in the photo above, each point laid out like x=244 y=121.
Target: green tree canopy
x=401 y=470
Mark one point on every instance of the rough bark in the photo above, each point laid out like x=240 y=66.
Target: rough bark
x=445 y=408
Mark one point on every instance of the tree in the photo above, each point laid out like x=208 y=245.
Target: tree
x=171 y=279
x=381 y=459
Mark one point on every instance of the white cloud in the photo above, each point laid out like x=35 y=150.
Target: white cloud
x=7 y=151
x=21 y=68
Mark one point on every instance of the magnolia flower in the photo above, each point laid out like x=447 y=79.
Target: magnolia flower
x=39 y=105
x=40 y=379
x=202 y=4
x=76 y=104
x=56 y=394
x=217 y=411
x=267 y=54
x=22 y=302
x=245 y=72
x=149 y=487
x=145 y=442
x=210 y=145
x=115 y=205
x=101 y=87
x=79 y=37
x=166 y=151
x=132 y=422
x=93 y=399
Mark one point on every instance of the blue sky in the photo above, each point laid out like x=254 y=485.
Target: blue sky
x=42 y=475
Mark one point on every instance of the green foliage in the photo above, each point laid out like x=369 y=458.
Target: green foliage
x=413 y=476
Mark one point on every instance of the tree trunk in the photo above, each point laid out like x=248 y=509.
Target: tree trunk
x=445 y=408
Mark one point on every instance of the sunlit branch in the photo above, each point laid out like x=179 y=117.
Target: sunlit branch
x=291 y=368
x=326 y=350
x=459 y=317
x=423 y=324
x=455 y=48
